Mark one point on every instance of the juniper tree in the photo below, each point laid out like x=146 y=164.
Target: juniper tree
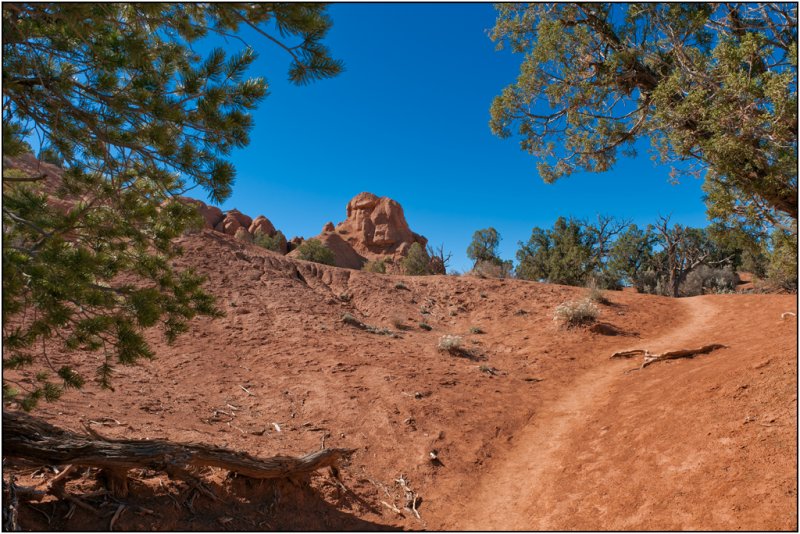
x=714 y=85
x=632 y=254
x=561 y=255
x=116 y=94
x=484 y=245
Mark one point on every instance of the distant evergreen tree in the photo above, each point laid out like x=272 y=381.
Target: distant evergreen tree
x=484 y=245
x=417 y=262
x=562 y=255
x=116 y=94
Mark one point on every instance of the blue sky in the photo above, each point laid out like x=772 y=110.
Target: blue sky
x=408 y=119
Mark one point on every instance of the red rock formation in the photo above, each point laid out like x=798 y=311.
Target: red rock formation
x=263 y=225
x=376 y=227
x=228 y=225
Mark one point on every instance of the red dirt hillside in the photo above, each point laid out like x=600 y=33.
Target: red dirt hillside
x=539 y=429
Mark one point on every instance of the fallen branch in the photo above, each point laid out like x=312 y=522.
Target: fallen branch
x=34 y=439
x=650 y=358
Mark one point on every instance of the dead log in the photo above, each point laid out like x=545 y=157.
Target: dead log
x=25 y=436
x=650 y=358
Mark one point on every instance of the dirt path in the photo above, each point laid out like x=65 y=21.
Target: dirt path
x=518 y=491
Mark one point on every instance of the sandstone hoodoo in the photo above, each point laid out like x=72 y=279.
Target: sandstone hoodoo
x=375 y=228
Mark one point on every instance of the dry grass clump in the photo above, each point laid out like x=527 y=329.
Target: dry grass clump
x=595 y=294
x=576 y=313
x=375 y=266
x=452 y=344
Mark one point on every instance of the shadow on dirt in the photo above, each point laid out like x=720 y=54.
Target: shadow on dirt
x=241 y=504
x=608 y=329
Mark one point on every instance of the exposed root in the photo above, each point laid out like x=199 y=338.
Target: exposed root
x=27 y=437
x=650 y=358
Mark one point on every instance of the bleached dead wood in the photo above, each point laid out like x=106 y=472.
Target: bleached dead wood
x=650 y=358
x=31 y=438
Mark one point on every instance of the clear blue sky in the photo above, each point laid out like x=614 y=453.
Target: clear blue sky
x=408 y=119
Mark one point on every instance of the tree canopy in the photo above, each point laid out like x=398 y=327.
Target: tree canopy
x=116 y=94
x=711 y=85
x=484 y=245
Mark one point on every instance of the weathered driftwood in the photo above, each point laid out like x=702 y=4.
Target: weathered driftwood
x=669 y=355
x=27 y=437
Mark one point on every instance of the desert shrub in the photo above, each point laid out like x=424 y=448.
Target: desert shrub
x=451 y=343
x=375 y=266
x=495 y=268
x=705 y=279
x=576 y=313
x=425 y=326
x=594 y=293
x=400 y=285
x=314 y=250
x=274 y=243
x=416 y=262
x=476 y=330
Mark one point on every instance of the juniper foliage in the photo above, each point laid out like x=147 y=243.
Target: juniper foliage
x=713 y=85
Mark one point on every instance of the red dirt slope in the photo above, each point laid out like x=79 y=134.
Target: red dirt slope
x=559 y=437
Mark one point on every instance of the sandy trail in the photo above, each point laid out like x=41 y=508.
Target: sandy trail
x=510 y=495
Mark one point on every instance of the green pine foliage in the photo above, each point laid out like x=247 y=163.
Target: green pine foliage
x=711 y=84
x=314 y=250
x=484 y=245
x=117 y=96
x=275 y=243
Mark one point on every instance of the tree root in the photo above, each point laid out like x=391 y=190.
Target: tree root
x=650 y=358
x=27 y=437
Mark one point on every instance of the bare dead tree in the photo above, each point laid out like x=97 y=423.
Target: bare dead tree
x=601 y=236
x=440 y=259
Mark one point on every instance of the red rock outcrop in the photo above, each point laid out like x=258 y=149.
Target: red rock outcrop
x=375 y=228
x=263 y=225
x=228 y=225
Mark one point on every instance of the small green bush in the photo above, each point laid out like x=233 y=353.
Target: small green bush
x=416 y=262
x=275 y=243
x=314 y=250
x=571 y=314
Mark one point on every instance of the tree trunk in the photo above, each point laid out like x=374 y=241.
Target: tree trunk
x=27 y=437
